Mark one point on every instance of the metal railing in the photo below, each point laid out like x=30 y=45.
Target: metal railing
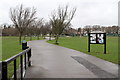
x=27 y=63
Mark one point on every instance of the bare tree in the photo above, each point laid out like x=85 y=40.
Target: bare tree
x=44 y=30
x=39 y=24
x=49 y=29
x=31 y=30
x=60 y=20
x=22 y=17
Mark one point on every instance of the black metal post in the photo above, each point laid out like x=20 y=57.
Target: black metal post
x=25 y=61
x=88 y=42
x=105 y=43
x=4 y=71
x=0 y=70
x=21 y=61
x=97 y=38
x=15 y=70
x=29 y=56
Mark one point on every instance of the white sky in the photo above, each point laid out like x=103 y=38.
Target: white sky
x=89 y=12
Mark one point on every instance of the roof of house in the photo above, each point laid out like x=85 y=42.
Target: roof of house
x=97 y=32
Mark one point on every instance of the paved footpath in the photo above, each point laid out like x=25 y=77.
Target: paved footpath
x=52 y=61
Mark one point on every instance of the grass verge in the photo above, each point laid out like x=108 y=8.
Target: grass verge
x=81 y=44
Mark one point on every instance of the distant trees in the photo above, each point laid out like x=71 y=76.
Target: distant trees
x=109 y=30
x=115 y=29
x=49 y=29
x=9 y=31
x=38 y=27
x=87 y=29
x=22 y=18
x=61 y=20
x=31 y=30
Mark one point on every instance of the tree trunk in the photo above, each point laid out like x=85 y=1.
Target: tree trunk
x=24 y=37
x=50 y=37
x=30 y=38
x=38 y=37
x=44 y=36
x=57 y=36
x=20 y=35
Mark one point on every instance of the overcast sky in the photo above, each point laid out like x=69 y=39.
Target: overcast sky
x=89 y=12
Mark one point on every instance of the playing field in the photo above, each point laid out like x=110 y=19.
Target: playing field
x=10 y=46
x=81 y=44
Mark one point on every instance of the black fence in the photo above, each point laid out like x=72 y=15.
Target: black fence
x=26 y=60
x=0 y=70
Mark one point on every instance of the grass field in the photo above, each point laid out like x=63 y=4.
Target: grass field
x=11 y=47
x=81 y=44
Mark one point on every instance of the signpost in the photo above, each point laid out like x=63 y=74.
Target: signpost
x=97 y=38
